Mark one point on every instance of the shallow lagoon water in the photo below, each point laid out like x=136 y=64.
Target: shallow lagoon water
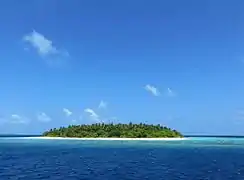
x=193 y=158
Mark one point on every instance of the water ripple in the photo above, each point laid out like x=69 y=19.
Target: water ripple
x=117 y=160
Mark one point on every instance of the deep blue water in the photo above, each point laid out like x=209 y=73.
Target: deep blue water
x=193 y=159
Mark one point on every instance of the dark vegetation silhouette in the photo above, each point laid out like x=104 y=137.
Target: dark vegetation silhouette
x=102 y=130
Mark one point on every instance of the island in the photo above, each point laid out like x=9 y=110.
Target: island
x=102 y=130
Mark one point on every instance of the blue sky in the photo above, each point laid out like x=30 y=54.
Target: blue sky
x=177 y=63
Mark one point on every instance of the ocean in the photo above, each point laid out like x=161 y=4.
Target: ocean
x=205 y=158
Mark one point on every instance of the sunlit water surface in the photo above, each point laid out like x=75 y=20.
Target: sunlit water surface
x=191 y=159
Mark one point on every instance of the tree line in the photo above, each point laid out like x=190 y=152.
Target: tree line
x=103 y=130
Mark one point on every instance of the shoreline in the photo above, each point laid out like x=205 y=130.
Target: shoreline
x=109 y=139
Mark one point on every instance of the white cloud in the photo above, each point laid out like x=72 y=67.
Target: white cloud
x=17 y=119
x=43 y=45
x=67 y=112
x=92 y=114
x=170 y=92
x=43 y=117
x=102 y=105
x=152 y=90
x=15 y=116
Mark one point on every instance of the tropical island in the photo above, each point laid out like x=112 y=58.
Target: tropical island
x=102 y=130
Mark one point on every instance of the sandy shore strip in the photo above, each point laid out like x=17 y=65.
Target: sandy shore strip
x=109 y=139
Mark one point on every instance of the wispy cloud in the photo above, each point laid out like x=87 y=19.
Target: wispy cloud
x=15 y=116
x=80 y=117
x=17 y=119
x=43 y=117
x=170 y=92
x=152 y=90
x=239 y=115
x=2 y=120
x=92 y=114
x=43 y=45
x=74 y=121
x=67 y=112
x=102 y=105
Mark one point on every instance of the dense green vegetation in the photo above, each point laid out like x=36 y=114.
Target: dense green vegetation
x=113 y=130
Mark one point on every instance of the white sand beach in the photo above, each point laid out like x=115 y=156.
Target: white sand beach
x=110 y=139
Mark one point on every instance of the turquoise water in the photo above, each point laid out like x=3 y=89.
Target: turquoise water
x=193 y=158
